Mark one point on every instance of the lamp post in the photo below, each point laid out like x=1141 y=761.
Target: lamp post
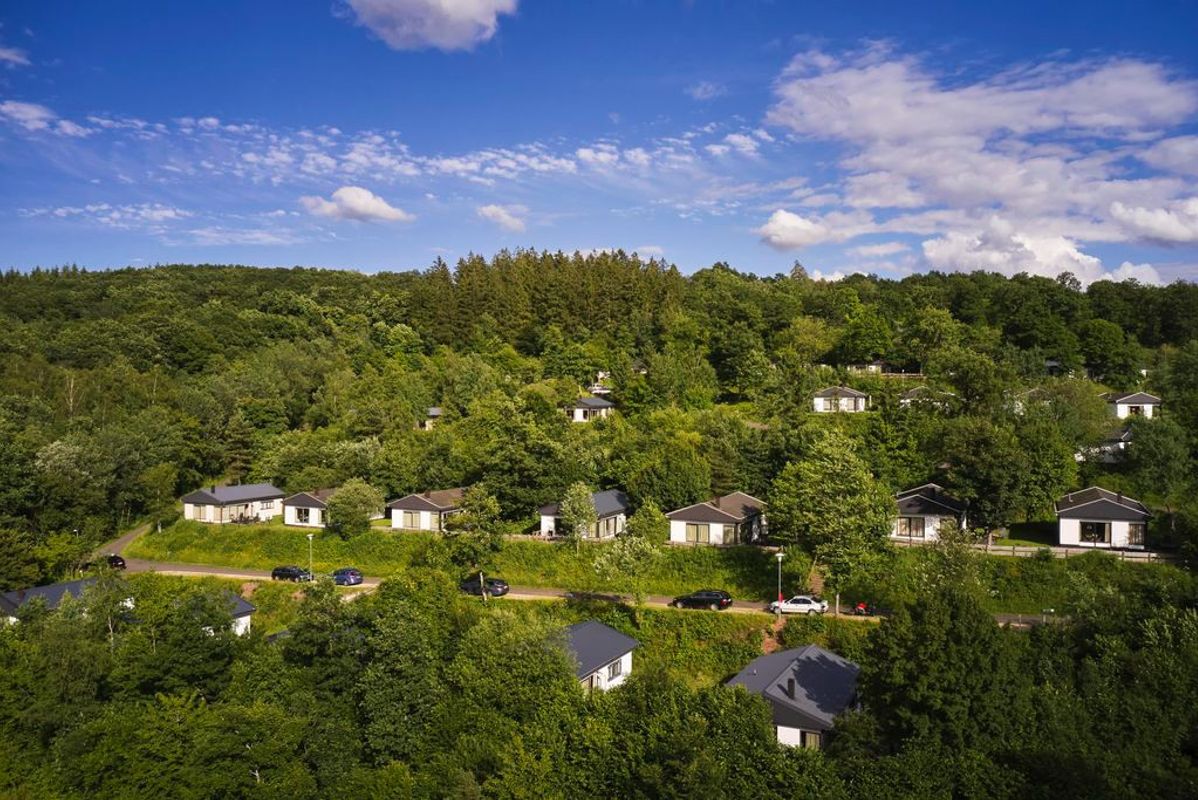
x=311 y=536
x=780 y=555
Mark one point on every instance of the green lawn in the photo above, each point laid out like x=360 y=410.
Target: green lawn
x=746 y=572
x=1030 y=534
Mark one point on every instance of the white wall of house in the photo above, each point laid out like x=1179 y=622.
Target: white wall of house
x=262 y=510
x=715 y=530
x=1125 y=410
x=548 y=525
x=931 y=528
x=581 y=414
x=607 y=529
x=793 y=737
x=425 y=520
x=848 y=405
x=241 y=625
x=1070 y=533
x=291 y=516
x=600 y=678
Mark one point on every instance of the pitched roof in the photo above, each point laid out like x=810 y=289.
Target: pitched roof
x=1143 y=398
x=316 y=499
x=596 y=645
x=593 y=402
x=240 y=606
x=1099 y=502
x=607 y=503
x=241 y=493
x=824 y=685
x=928 y=500
x=441 y=500
x=924 y=391
x=734 y=507
x=434 y=411
x=53 y=593
x=840 y=391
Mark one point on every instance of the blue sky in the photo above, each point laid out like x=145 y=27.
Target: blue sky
x=381 y=134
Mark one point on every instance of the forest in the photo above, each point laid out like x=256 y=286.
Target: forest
x=122 y=390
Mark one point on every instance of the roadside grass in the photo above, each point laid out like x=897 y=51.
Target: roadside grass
x=277 y=604
x=702 y=648
x=747 y=572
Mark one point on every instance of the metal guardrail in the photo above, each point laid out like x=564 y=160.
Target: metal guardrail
x=1030 y=551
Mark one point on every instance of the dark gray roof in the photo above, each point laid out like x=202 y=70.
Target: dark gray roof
x=242 y=493
x=929 y=500
x=734 y=507
x=607 y=503
x=596 y=645
x=437 y=500
x=434 y=411
x=840 y=391
x=53 y=593
x=1098 y=503
x=824 y=685
x=317 y=499
x=1143 y=398
x=241 y=606
x=593 y=402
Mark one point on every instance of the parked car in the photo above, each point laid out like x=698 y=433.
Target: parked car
x=290 y=573
x=496 y=587
x=799 y=604
x=112 y=561
x=348 y=576
x=714 y=599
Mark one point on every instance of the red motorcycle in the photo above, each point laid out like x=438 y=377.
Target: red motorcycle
x=864 y=609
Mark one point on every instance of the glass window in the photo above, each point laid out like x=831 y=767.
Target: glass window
x=911 y=527
x=1096 y=532
x=810 y=739
x=699 y=534
x=1135 y=533
x=268 y=504
x=411 y=520
x=615 y=669
x=303 y=515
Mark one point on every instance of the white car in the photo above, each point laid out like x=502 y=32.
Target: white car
x=800 y=604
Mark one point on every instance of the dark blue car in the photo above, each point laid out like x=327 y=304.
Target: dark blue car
x=347 y=576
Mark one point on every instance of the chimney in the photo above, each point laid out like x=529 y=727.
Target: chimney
x=790 y=688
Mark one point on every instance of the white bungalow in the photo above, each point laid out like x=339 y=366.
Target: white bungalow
x=735 y=518
x=248 y=502
x=611 y=508
x=1099 y=518
x=586 y=409
x=307 y=509
x=923 y=510
x=837 y=399
x=602 y=654
x=425 y=512
x=1134 y=404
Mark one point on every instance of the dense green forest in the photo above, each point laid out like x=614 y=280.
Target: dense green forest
x=121 y=390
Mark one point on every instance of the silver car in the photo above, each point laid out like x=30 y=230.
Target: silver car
x=799 y=604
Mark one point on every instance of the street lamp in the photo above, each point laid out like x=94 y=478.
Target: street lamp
x=780 y=555
x=311 y=536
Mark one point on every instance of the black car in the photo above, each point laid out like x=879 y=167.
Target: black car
x=715 y=599
x=496 y=587
x=112 y=561
x=290 y=573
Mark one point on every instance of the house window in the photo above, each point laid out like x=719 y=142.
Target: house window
x=810 y=739
x=1096 y=532
x=411 y=520
x=698 y=534
x=911 y=527
x=615 y=669
x=303 y=515
x=267 y=504
x=829 y=404
x=1135 y=411
x=1135 y=533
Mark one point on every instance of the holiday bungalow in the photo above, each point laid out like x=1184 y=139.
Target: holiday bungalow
x=431 y=417
x=836 y=399
x=1100 y=518
x=602 y=655
x=923 y=510
x=611 y=509
x=1134 y=404
x=806 y=688
x=307 y=509
x=732 y=519
x=427 y=511
x=586 y=409
x=248 y=502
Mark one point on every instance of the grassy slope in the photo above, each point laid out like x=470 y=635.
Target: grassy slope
x=745 y=571
x=277 y=603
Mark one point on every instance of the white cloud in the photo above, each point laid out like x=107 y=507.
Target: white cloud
x=718 y=150
x=881 y=190
x=785 y=230
x=879 y=250
x=1179 y=154
x=128 y=216
x=1177 y=223
x=30 y=116
x=706 y=90
x=601 y=154
x=356 y=203
x=742 y=143
x=216 y=235
x=442 y=24
x=14 y=56
x=649 y=251
x=506 y=217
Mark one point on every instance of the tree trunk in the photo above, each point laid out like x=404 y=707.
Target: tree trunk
x=482 y=585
